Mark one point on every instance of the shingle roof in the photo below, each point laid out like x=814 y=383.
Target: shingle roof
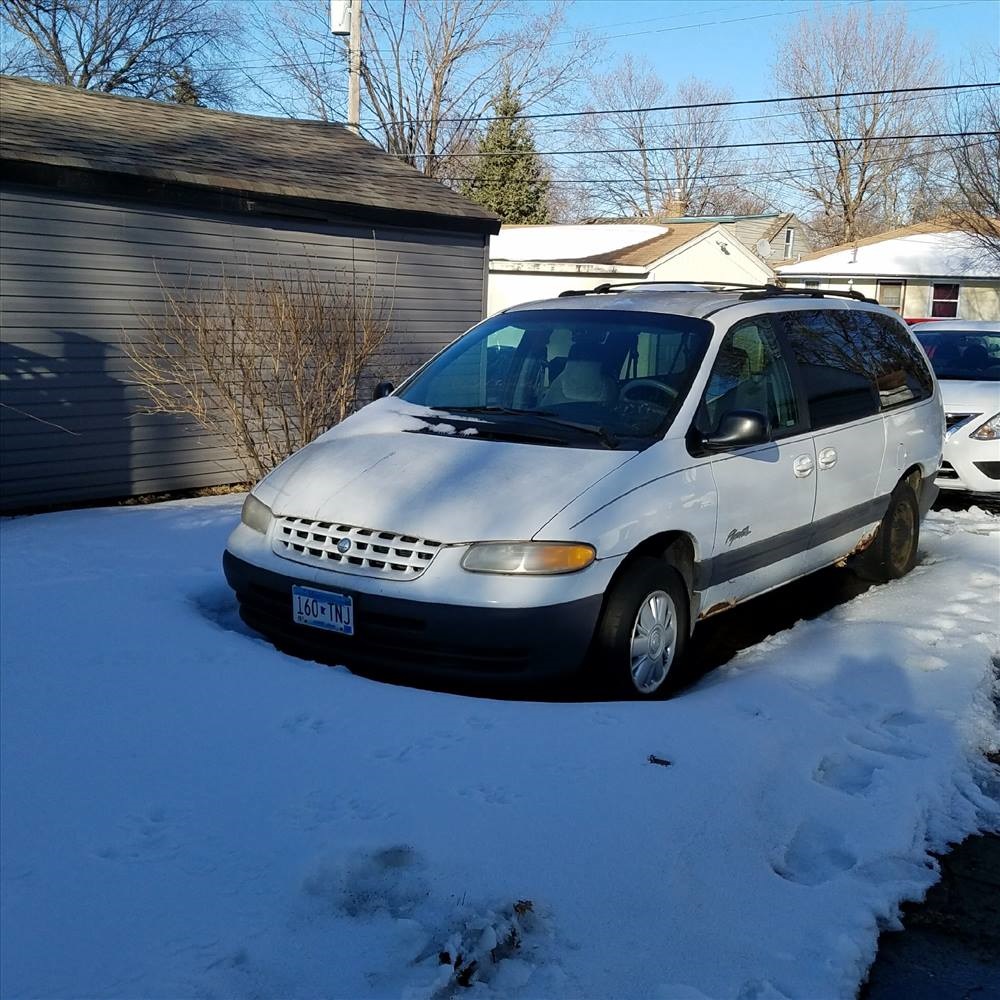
x=651 y=250
x=278 y=157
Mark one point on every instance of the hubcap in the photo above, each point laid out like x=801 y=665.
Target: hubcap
x=654 y=641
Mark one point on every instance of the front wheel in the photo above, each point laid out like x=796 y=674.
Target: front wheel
x=643 y=631
x=893 y=553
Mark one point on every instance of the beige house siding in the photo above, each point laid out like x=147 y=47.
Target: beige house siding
x=978 y=298
x=702 y=259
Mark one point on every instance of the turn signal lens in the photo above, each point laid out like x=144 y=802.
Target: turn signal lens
x=990 y=431
x=528 y=558
x=256 y=515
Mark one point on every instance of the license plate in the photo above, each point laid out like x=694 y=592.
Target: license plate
x=323 y=609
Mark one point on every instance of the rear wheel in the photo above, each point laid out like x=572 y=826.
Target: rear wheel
x=893 y=553
x=643 y=631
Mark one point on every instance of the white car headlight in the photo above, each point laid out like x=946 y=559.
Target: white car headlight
x=256 y=515
x=528 y=558
x=990 y=431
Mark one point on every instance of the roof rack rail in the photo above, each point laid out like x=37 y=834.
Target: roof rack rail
x=608 y=287
x=750 y=292
x=769 y=291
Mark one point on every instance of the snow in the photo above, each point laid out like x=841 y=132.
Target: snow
x=567 y=242
x=933 y=255
x=189 y=813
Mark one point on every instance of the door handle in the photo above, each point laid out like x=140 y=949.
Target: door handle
x=803 y=466
x=827 y=458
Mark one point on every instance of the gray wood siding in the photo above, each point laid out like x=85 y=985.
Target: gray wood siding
x=75 y=274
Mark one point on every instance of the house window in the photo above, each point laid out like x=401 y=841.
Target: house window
x=944 y=301
x=789 y=242
x=890 y=295
x=810 y=284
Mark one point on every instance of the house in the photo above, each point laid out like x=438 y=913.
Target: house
x=926 y=271
x=105 y=197
x=537 y=262
x=776 y=237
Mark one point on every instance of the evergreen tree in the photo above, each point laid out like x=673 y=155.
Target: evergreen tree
x=512 y=182
x=184 y=89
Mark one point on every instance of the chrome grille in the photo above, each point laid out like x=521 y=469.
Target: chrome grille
x=385 y=554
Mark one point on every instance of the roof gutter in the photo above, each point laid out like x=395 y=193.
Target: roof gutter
x=238 y=201
x=566 y=268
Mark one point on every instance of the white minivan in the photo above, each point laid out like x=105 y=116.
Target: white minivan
x=581 y=480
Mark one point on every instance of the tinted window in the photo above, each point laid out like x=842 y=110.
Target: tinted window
x=625 y=372
x=832 y=358
x=749 y=374
x=900 y=373
x=957 y=354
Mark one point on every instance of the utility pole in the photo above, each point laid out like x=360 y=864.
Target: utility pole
x=354 y=77
x=345 y=19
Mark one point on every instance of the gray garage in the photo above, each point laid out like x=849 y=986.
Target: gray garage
x=105 y=200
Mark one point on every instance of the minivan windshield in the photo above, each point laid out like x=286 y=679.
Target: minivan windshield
x=581 y=377
x=972 y=355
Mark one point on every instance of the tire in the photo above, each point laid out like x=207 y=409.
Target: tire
x=893 y=553
x=647 y=604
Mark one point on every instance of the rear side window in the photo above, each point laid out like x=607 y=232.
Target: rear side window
x=831 y=357
x=855 y=364
x=900 y=373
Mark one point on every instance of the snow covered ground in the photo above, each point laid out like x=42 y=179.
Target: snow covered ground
x=189 y=813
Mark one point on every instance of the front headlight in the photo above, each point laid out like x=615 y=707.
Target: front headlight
x=256 y=515
x=528 y=558
x=990 y=431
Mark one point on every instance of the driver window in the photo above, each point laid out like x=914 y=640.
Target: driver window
x=750 y=373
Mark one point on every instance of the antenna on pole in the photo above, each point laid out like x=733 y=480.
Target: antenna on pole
x=345 y=19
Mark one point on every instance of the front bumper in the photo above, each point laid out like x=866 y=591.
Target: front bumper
x=417 y=636
x=969 y=465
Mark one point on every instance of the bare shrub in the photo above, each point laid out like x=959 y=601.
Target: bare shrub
x=267 y=363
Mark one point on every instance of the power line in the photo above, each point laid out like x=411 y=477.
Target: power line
x=759 y=17
x=743 y=174
x=477 y=154
x=709 y=104
x=557 y=130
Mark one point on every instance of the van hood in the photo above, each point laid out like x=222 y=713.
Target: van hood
x=961 y=396
x=373 y=471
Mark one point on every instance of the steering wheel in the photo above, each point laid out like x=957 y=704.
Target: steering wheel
x=637 y=390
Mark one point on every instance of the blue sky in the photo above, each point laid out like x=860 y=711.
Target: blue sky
x=680 y=39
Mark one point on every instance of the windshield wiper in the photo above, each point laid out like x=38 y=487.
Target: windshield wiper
x=606 y=437
x=602 y=433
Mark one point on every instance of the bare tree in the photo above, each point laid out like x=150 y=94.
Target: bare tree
x=629 y=161
x=976 y=163
x=266 y=363
x=852 y=169
x=134 y=47
x=430 y=68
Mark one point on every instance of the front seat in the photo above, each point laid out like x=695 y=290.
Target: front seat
x=582 y=380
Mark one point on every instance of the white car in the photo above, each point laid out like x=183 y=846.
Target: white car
x=585 y=478
x=965 y=355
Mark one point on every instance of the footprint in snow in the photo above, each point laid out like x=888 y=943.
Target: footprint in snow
x=147 y=836
x=926 y=662
x=494 y=795
x=930 y=636
x=844 y=773
x=901 y=721
x=815 y=854
x=303 y=722
x=885 y=745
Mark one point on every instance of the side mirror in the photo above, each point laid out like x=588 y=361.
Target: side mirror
x=737 y=429
x=382 y=389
